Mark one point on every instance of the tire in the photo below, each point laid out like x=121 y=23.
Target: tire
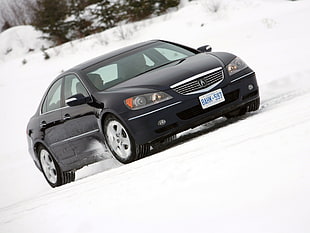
x=165 y=142
x=121 y=143
x=236 y=113
x=254 y=105
x=51 y=170
x=250 y=107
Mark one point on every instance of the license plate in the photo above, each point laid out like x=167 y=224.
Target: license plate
x=212 y=98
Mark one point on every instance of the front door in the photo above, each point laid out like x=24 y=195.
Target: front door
x=81 y=125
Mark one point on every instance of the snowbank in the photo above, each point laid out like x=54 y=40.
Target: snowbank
x=20 y=41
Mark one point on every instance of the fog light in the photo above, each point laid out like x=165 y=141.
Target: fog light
x=161 y=122
x=250 y=87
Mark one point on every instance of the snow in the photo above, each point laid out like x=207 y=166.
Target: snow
x=245 y=175
x=20 y=40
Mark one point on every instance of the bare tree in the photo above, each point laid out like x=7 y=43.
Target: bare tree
x=15 y=12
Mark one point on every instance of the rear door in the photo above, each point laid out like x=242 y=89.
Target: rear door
x=51 y=122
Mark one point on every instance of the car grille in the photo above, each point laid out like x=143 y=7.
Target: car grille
x=197 y=110
x=200 y=82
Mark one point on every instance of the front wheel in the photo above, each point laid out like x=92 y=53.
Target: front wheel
x=121 y=143
x=164 y=142
x=236 y=113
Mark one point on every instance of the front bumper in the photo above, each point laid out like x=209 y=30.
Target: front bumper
x=185 y=112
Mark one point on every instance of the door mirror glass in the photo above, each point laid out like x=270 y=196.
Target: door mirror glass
x=205 y=49
x=77 y=99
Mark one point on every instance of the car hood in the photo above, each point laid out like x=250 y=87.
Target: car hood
x=162 y=78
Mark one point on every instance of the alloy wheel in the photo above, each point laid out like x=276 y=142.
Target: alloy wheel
x=48 y=166
x=118 y=139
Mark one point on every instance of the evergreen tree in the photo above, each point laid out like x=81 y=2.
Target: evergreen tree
x=164 y=5
x=108 y=13
x=67 y=20
x=139 y=9
x=50 y=17
x=5 y=26
x=79 y=25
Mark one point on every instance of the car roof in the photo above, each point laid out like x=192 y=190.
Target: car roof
x=93 y=61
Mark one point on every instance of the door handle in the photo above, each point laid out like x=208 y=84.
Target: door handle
x=67 y=117
x=43 y=124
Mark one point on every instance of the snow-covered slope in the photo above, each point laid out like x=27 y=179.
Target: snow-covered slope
x=20 y=41
x=245 y=175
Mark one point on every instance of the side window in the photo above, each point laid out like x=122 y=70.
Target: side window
x=53 y=98
x=106 y=74
x=73 y=86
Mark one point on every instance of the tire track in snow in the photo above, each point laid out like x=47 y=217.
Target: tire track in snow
x=280 y=92
x=269 y=103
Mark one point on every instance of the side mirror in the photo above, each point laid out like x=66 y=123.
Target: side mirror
x=77 y=99
x=205 y=49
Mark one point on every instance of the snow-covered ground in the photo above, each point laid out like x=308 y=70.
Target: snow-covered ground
x=245 y=175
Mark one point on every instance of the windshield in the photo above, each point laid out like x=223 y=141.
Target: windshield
x=109 y=73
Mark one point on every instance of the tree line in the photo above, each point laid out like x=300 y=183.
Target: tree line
x=67 y=20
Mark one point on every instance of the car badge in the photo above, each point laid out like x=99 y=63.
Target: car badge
x=202 y=83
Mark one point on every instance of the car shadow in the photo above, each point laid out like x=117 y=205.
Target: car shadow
x=203 y=129
x=184 y=137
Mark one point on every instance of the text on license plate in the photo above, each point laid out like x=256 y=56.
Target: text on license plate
x=211 y=98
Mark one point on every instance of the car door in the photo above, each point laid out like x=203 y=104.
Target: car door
x=51 y=122
x=81 y=124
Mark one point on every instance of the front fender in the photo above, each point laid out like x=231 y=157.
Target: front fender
x=226 y=58
x=106 y=112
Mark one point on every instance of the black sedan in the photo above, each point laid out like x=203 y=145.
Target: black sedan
x=132 y=100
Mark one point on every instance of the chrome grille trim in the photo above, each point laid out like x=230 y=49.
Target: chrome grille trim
x=190 y=86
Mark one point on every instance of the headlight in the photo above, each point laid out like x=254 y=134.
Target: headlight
x=235 y=66
x=142 y=101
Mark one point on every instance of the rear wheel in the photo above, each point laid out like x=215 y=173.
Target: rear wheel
x=51 y=170
x=121 y=143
